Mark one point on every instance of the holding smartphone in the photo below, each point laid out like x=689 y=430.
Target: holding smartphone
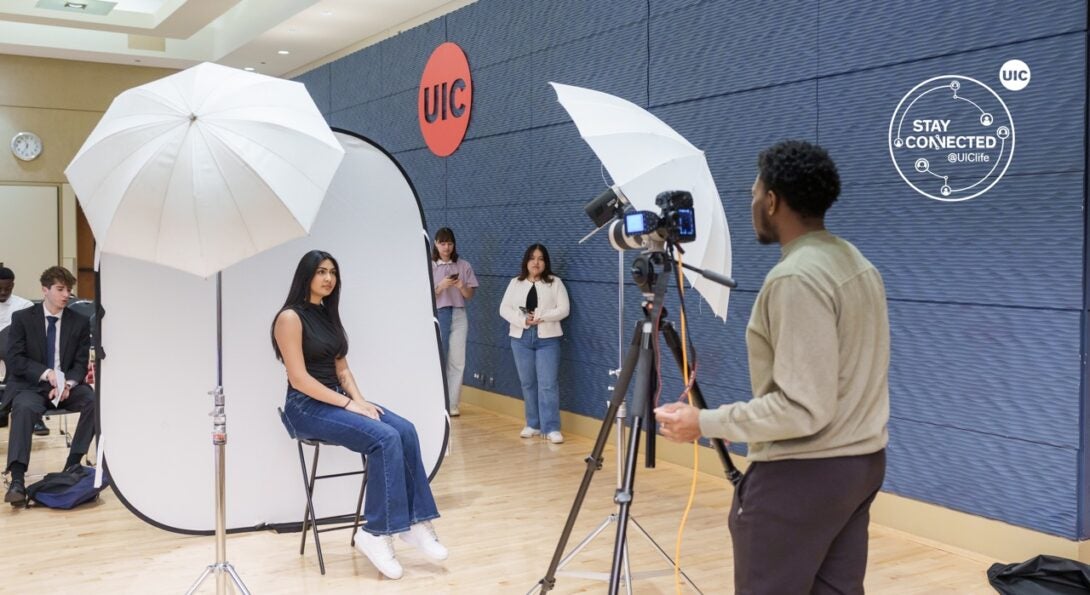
x=453 y=277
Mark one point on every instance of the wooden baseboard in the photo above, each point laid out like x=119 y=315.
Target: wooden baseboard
x=927 y=523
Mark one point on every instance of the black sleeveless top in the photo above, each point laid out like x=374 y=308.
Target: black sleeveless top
x=531 y=298
x=321 y=343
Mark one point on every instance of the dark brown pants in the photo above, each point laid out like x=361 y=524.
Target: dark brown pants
x=800 y=526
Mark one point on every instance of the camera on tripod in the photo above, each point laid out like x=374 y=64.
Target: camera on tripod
x=639 y=230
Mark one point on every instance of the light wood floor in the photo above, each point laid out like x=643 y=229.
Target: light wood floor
x=503 y=500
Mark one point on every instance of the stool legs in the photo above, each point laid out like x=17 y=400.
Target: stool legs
x=308 y=514
x=359 y=503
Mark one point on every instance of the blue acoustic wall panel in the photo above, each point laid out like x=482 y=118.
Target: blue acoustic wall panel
x=720 y=47
x=1008 y=372
x=858 y=35
x=1024 y=483
x=391 y=121
x=501 y=98
x=613 y=62
x=405 y=54
x=1018 y=245
x=428 y=175
x=986 y=296
x=491 y=32
x=659 y=8
x=492 y=171
x=557 y=22
x=357 y=78
x=317 y=82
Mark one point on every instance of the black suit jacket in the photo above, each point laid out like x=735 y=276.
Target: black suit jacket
x=25 y=357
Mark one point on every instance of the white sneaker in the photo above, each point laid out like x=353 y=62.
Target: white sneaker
x=555 y=437
x=454 y=411
x=529 y=432
x=379 y=549
x=422 y=537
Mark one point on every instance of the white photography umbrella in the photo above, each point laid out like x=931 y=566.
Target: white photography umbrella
x=644 y=157
x=204 y=168
x=198 y=171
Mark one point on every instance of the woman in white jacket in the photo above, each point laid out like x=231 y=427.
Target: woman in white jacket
x=535 y=302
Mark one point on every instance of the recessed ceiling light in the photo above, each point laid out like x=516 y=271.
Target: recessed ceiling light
x=283 y=52
x=79 y=5
x=249 y=69
x=327 y=13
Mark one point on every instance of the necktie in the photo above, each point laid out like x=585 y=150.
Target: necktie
x=51 y=342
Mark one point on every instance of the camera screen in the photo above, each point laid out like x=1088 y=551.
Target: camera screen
x=635 y=224
x=686 y=225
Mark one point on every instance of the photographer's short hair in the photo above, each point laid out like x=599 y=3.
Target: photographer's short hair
x=801 y=173
x=6 y=274
x=54 y=275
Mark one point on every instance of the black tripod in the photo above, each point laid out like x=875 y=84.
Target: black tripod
x=640 y=360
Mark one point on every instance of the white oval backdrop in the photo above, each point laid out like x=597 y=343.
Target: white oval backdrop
x=159 y=335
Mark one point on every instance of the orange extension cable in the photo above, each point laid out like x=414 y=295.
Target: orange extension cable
x=696 y=447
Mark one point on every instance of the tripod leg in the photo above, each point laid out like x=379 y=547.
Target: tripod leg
x=627 y=570
x=200 y=579
x=662 y=552
x=674 y=342
x=624 y=501
x=594 y=461
x=235 y=578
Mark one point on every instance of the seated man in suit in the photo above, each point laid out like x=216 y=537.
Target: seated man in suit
x=44 y=339
x=9 y=304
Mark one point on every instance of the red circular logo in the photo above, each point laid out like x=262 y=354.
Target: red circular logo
x=445 y=99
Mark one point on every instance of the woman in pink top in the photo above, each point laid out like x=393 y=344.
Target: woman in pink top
x=454 y=282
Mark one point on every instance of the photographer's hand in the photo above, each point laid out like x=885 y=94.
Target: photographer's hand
x=678 y=422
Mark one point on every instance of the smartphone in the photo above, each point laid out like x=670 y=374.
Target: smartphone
x=453 y=277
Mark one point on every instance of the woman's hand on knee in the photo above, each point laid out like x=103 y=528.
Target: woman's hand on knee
x=365 y=409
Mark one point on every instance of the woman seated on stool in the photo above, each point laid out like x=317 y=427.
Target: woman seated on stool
x=324 y=403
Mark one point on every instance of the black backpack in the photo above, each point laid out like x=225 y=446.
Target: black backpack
x=66 y=489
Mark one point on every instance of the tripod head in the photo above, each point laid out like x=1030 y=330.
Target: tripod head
x=644 y=271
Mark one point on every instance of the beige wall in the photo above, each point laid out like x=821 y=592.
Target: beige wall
x=60 y=101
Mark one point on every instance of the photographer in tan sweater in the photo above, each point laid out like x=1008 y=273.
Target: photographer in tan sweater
x=818 y=342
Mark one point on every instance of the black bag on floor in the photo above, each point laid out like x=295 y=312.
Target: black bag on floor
x=1043 y=575
x=66 y=489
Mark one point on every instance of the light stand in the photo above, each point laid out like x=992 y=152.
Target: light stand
x=641 y=362
x=222 y=568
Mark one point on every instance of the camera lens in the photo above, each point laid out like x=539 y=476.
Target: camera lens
x=620 y=241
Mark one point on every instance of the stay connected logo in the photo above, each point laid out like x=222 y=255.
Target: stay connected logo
x=951 y=138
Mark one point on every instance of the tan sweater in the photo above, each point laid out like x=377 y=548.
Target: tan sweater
x=818 y=341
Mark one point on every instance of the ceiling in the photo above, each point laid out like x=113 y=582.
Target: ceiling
x=275 y=37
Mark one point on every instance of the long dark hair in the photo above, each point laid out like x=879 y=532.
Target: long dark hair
x=299 y=295
x=547 y=274
x=445 y=234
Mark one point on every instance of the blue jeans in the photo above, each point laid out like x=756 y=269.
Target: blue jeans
x=538 y=363
x=444 y=315
x=453 y=328
x=398 y=493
